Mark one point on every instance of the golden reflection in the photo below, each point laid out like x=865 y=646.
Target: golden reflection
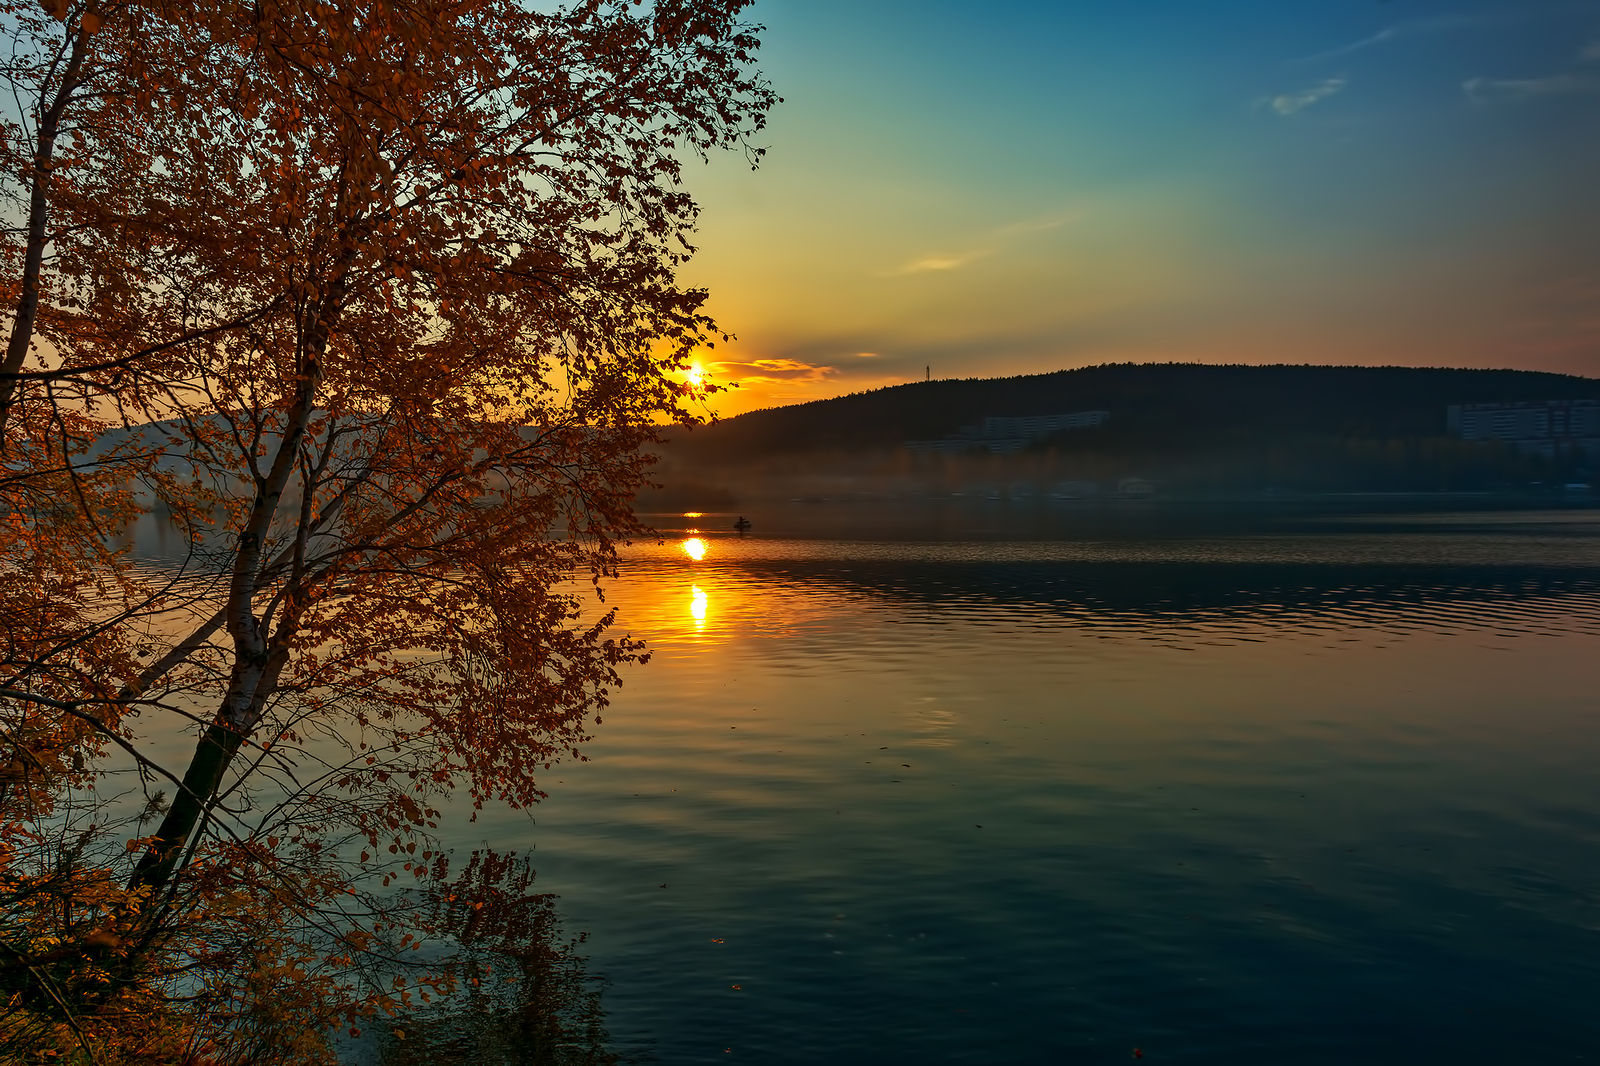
x=695 y=548
x=697 y=607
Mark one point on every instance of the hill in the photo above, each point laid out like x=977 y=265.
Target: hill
x=1166 y=398
x=1191 y=427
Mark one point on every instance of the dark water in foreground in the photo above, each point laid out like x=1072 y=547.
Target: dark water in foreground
x=1327 y=796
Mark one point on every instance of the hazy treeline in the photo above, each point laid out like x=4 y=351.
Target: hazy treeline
x=1178 y=429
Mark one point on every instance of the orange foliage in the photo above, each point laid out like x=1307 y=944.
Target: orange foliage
x=378 y=301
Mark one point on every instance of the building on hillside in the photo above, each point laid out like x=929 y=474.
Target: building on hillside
x=1539 y=426
x=1007 y=434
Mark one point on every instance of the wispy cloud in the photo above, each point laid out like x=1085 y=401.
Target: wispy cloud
x=1039 y=224
x=1388 y=33
x=1290 y=103
x=773 y=371
x=1491 y=90
x=1425 y=27
x=1590 y=53
x=941 y=261
x=999 y=236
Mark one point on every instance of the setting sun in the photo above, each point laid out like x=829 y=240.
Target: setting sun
x=695 y=548
x=696 y=379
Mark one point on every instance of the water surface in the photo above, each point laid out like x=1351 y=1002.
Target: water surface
x=1317 y=796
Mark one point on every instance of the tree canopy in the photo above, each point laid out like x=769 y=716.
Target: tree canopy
x=378 y=303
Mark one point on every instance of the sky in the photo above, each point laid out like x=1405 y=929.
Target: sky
x=980 y=189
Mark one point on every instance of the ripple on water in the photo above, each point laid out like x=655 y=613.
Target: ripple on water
x=977 y=802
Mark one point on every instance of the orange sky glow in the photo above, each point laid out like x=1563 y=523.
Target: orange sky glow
x=1010 y=190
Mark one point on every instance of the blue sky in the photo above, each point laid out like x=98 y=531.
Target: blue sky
x=1014 y=187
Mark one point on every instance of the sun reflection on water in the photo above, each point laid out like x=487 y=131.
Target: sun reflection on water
x=695 y=548
x=698 y=603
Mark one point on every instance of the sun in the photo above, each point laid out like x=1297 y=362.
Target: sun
x=696 y=379
x=695 y=548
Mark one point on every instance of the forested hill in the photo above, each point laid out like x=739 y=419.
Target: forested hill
x=1149 y=404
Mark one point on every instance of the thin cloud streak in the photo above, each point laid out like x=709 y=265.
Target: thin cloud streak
x=1414 y=28
x=1387 y=34
x=1011 y=231
x=1491 y=90
x=939 y=261
x=1042 y=224
x=1287 y=104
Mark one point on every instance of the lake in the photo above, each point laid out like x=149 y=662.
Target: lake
x=1319 y=792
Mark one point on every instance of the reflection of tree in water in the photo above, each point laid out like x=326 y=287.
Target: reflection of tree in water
x=523 y=995
x=497 y=983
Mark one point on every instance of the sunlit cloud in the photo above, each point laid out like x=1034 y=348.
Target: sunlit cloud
x=1490 y=90
x=866 y=355
x=757 y=383
x=1290 y=103
x=941 y=261
x=785 y=371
